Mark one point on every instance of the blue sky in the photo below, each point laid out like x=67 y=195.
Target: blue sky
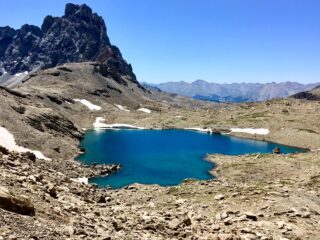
x=214 y=40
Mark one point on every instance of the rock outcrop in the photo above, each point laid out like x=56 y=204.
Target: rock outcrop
x=78 y=36
x=18 y=204
x=312 y=95
x=55 y=123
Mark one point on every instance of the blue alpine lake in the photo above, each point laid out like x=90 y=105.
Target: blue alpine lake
x=164 y=157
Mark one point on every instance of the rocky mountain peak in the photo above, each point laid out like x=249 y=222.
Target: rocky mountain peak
x=82 y=11
x=78 y=36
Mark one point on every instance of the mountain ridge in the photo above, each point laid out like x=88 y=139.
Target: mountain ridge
x=234 y=92
x=80 y=35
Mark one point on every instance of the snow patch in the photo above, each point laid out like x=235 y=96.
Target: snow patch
x=146 y=110
x=258 y=131
x=7 y=140
x=100 y=123
x=81 y=180
x=88 y=104
x=315 y=150
x=123 y=108
x=20 y=74
x=199 y=129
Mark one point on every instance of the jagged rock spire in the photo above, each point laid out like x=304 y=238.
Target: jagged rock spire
x=78 y=36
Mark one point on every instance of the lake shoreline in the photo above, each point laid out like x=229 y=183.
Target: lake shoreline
x=92 y=132
x=222 y=131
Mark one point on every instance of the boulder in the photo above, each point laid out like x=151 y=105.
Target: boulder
x=174 y=224
x=251 y=216
x=277 y=150
x=19 y=109
x=52 y=190
x=18 y=204
x=219 y=197
x=29 y=155
x=4 y=150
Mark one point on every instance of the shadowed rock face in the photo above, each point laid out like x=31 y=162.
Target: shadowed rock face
x=312 y=95
x=18 y=204
x=78 y=36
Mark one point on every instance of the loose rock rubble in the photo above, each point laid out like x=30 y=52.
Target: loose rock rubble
x=60 y=208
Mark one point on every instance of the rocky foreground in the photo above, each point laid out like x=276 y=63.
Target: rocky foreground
x=254 y=197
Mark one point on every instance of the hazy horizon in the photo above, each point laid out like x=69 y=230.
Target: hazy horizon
x=216 y=40
x=268 y=82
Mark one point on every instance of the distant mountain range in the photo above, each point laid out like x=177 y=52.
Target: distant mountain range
x=234 y=92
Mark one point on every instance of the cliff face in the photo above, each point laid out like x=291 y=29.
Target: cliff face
x=78 y=36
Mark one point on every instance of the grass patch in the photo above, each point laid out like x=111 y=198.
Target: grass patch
x=257 y=115
x=314 y=180
x=173 y=190
x=254 y=117
x=307 y=130
x=286 y=182
x=240 y=164
x=210 y=122
x=233 y=121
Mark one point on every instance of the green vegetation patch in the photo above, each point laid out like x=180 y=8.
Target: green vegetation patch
x=307 y=130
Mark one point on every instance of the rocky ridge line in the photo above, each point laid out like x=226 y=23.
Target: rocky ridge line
x=78 y=36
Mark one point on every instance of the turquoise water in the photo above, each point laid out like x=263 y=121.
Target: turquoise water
x=164 y=157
